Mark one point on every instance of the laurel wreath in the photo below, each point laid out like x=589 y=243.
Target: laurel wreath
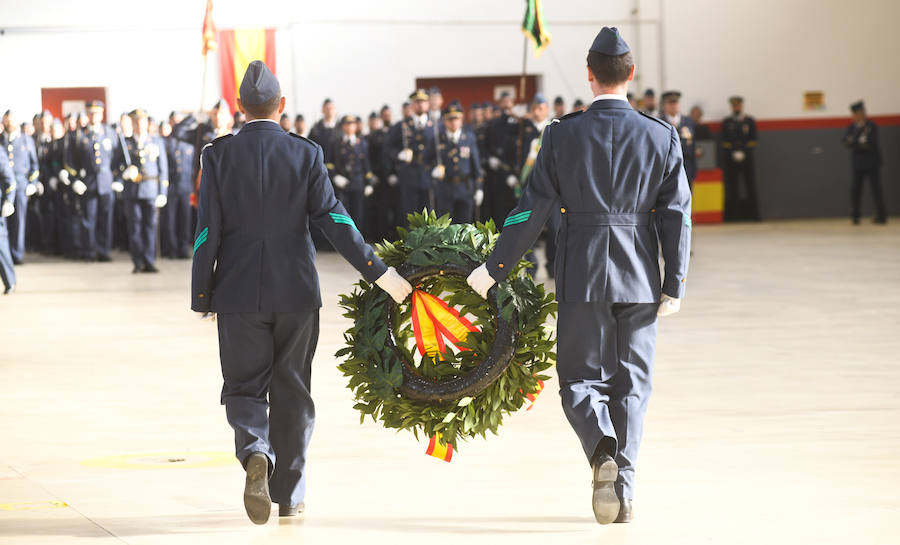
x=463 y=393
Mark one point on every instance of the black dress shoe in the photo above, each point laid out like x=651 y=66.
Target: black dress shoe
x=137 y=269
x=880 y=221
x=605 y=501
x=9 y=290
x=257 y=501
x=291 y=510
x=150 y=269
x=104 y=258
x=18 y=262
x=624 y=511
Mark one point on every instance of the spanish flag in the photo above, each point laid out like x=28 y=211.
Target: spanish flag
x=534 y=26
x=432 y=320
x=439 y=451
x=532 y=398
x=238 y=48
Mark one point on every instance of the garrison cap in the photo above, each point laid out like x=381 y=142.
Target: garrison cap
x=671 y=96
x=578 y=103
x=609 y=42
x=217 y=105
x=95 y=106
x=259 y=85
x=373 y=115
x=650 y=93
x=558 y=101
x=418 y=94
x=735 y=98
x=299 y=117
x=475 y=106
x=285 y=116
x=326 y=102
x=539 y=98
x=434 y=91
x=7 y=112
x=857 y=106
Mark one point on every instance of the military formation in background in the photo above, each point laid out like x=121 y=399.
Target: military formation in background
x=80 y=188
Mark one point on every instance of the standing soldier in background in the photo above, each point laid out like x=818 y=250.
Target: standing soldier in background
x=578 y=105
x=22 y=158
x=95 y=154
x=671 y=114
x=124 y=130
x=862 y=139
x=175 y=229
x=374 y=228
x=410 y=149
x=7 y=208
x=648 y=103
x=326 y=130
x=238 y=122
x=43 y=143
x=285 y=122
x=502 y=176
x=559 y=107
x=458 y=187
x=738 y=143
x=145 y=170
x=348 y=167
x=435 y=105
x=299 y=125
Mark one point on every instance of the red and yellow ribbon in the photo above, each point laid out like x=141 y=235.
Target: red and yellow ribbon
x=439 y=451
x=433 y=320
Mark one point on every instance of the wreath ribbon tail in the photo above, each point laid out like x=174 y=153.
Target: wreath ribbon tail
x=438 y=450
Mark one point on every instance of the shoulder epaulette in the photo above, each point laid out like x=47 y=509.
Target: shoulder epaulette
x=223 y=137
x=654 y=118
x=568 y=116
x=301 y=137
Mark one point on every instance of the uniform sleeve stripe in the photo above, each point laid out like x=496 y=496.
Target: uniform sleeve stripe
x=341 y=218
x=518 y=218
x=201 y=238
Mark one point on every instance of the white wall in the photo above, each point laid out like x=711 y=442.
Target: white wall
x=362 y=53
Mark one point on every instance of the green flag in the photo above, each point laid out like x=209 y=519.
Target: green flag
x=534 y=27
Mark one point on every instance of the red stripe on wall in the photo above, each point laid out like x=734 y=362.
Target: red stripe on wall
x=812 y=124
x=707 y=217
x=226 y=66
x=270 y=49
x=710 y=175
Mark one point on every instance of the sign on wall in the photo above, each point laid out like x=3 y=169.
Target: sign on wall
x=813 y=101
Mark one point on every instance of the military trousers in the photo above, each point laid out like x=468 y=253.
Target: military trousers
x=96 y=224
x=175 y=228
x=7 y=272
x=859 y=178
x=605 y=366
x=456 y=199
x=740 y=190
x=16 y=224
x=266 y=365
x=141 y=214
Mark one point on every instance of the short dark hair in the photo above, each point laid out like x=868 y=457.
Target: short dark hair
x=265 y=109
x=610 y=70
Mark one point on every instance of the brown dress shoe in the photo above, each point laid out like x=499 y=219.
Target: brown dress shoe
x=605 y=501
x=257 y=501
x=291 y=510
x=624 y=511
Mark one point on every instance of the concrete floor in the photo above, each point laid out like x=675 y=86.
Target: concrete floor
x=775 y=416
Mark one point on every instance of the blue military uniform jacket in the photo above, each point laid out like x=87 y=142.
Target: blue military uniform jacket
x=149 y=156
x=461 y=160
x=259 y=191
x=863 y=141
x=404 y=135
x=739 y=134
x=617 y=177
x=351 y=161
x=7 y=183
x=180 y=157
x=22 y=158
x=97 y=151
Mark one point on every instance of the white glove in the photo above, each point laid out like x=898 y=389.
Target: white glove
x=405 y=155
x=512 y=180
x=117 y=186
x=54 y=183
x=82 y=173
x=64 y=176
x=393 y=180
x=30 y=190
x=668 y=306
x=161 y=201
x=130 y=174
x=395 y=285
x=341 y=182
x=494 y=162
x=78 y=187
x=7 y=209
x=479 y=197
x=438 y=172
x=738 y=155
x=40 y=188
x=368 y=190
x=481 y=281
x=206 y=316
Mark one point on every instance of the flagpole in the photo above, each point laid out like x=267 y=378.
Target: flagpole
x=519 y=142
x=524 y=64
x=203 y=85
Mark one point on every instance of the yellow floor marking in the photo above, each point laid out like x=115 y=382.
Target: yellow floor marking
x=32 y=505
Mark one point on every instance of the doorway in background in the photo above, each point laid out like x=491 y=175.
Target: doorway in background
x=62 y=101
x=480 y=88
